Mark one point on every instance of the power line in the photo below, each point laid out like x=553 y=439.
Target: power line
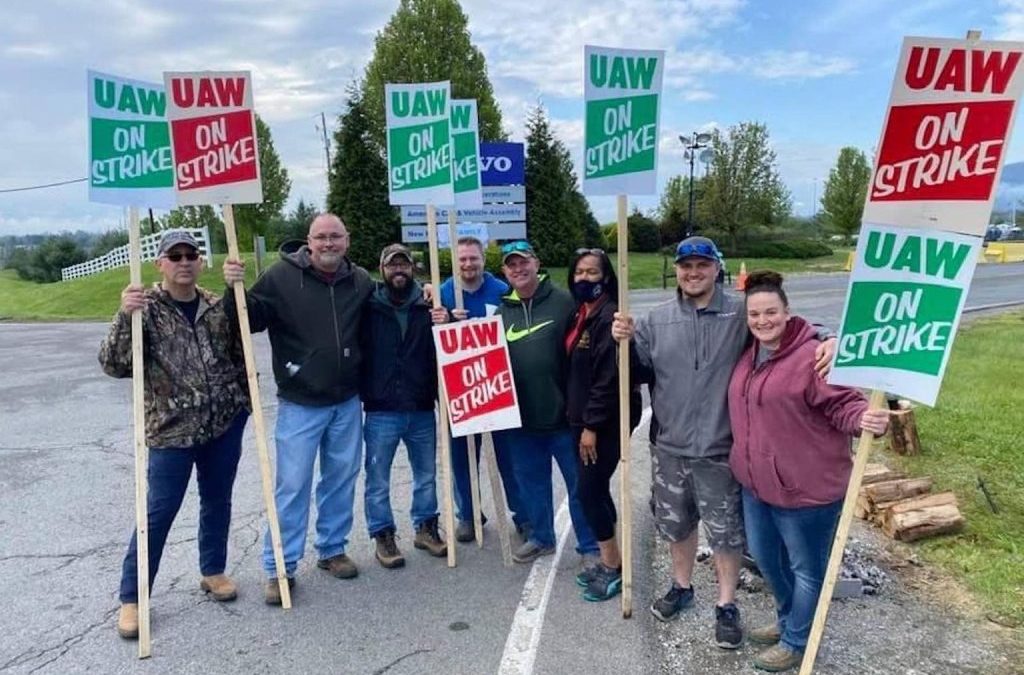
x=47 y=185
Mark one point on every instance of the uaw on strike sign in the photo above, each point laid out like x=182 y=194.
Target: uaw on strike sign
x=944 y=140
x=213 y=138
x=477 y=374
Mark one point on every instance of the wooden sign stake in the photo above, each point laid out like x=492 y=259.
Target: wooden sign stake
x=625 y=492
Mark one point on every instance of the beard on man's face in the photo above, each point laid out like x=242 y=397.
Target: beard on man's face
x=398 y=281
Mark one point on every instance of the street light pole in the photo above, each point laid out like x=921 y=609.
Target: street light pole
x=692 y=144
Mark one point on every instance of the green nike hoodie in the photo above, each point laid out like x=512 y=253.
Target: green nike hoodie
x=535 y=329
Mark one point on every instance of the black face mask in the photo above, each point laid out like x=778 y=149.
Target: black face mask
x=587 y=291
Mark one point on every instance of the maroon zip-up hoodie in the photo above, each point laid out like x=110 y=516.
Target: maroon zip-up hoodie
x=791 y=431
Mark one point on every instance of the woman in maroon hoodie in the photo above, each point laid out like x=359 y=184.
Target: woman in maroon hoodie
x=791 y=453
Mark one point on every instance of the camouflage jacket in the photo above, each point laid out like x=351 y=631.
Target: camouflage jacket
x=195 y=379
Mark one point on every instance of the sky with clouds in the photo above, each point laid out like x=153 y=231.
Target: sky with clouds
x=816 y=72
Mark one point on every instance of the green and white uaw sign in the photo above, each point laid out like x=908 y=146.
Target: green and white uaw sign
x=129 y=142
x=419 y=143
x=623 y=101
x=466 y=154
x=907 y=291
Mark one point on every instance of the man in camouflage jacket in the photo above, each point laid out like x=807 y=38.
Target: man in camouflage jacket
x=196 y=404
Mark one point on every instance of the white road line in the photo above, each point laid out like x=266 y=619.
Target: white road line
x=528 y=622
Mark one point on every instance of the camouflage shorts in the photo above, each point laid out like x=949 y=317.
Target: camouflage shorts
x=687 y=490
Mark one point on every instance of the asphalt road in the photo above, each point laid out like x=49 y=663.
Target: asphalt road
x=66 y=476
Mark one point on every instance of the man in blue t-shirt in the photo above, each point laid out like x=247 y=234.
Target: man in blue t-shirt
x=481 y=295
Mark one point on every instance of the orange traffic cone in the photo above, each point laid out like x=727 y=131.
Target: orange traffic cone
x=741 y=278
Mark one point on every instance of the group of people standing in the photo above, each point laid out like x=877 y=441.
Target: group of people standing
x=746 y=436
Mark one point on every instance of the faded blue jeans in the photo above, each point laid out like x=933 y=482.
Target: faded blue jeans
x=334 y=433
x=463 y=487
x=383 y=431
x=791 y=548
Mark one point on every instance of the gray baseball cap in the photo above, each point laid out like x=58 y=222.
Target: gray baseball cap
x=175 y=237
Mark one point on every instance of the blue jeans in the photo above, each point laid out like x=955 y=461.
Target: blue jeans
x=333 y=432
x=531 y=455
x=169 y=472
x=791 y=547
x=463 y=491
x=383 y=431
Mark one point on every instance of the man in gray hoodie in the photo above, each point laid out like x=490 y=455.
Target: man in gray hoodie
x=691 y=344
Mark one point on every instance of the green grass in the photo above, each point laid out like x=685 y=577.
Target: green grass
x=93 y=297
x=975 y=432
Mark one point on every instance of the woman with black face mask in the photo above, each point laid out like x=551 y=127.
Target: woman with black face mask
x=593 y=410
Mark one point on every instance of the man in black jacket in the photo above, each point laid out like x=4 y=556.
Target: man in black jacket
x=399 y=389
x=311 y=304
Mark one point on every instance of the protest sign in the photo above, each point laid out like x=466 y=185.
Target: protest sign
x=465 y=154
x=502 y=164
x=419 y=143
x=907 y=291
x=951 y=111
x=623 y=93
x=213 y=137
x=129 y=144
x=477 y=374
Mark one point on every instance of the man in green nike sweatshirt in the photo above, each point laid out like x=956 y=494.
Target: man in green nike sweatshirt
x=536 y=316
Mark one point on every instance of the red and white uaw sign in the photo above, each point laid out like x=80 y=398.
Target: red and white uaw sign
x=477 y=375
x=213 y=138
x=945 y=137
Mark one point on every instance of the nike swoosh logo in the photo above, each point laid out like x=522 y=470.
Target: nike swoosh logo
x=512 y=334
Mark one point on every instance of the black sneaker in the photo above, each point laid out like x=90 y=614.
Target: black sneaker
x=668 y=607
x=728 y=633
x=588 y=566
x=605 y=584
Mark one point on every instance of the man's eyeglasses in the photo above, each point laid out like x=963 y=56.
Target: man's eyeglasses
x=590 y=251
x=321 y=238
x=517 y=247
x=191 y=256
x=704 y=250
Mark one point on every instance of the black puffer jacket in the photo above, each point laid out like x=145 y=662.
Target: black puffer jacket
x=314 y=327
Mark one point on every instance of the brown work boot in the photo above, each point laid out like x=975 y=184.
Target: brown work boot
x=128 y=621
x=429 y=539
x=777 y=659
x=765 y=635
x=388 y=554
x=220 y=587
x=272 y=591
x=339 y=566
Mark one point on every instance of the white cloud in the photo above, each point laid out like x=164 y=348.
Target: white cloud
x=799 y=65
x=1010 y=22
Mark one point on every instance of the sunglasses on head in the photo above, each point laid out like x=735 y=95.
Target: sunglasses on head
x=705 y=250
x=516 y=246
x=191 y=256
x=589 y=251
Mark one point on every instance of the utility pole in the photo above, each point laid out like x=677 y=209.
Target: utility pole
x=327 y=145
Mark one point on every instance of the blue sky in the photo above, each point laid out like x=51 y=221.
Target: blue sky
x=817 y=73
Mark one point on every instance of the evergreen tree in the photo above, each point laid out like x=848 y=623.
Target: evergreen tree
x=253 y=219
x=358 y=188
x=845 y=192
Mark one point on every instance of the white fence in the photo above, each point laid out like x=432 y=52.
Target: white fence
x=119 y=256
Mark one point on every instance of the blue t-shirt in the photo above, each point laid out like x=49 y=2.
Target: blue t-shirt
x=480 y=303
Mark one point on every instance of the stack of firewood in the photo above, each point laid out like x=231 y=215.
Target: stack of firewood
x=904 y=507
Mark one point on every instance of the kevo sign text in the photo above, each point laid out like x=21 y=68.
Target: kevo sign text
x=419 y=143
x=903 y=308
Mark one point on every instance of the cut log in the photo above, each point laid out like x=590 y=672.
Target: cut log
x=862 y=509
x=879 y=473
x=924 y=522
x=895 y=490
x=903 y=438
x=915 y=504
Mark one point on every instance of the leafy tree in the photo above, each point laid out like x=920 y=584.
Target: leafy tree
x=428 y=41
x=845 y=192
x=358 y=187
x=108 y=241
x=743 y=187
x=253 y=219
x=673 y=209
x=295 y=226
x=198 y=217
x=45 y=262
x=554 y=215
x=643 y=233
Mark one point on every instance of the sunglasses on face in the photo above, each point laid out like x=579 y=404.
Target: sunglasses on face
x=191 y=256
x=517 y=247
x=696 y=249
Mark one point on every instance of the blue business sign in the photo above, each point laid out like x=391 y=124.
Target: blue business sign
x=502 y=164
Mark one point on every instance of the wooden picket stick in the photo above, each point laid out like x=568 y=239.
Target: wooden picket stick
x=835 y=559
x=257 y=414
x=141 y=451
x=625 y=492
x=442 y=394
x=474 y=479
x=498 y=497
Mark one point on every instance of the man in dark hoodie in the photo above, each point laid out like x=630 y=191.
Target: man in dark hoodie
x=399 y=389
x=311 y=304
x=536 y=316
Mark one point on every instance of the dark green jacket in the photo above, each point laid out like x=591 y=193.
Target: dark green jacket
x=535 y=330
